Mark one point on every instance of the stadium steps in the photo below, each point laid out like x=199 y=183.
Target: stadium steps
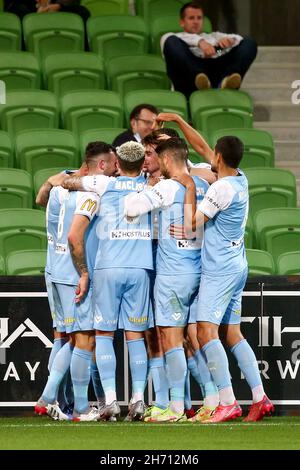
x=269 y=82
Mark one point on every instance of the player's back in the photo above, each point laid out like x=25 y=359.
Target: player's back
x=122 y=244
x=80 y=203
x=178 y=256
x=223 y=250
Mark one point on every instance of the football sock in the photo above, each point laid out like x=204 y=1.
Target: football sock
x=218 y=366
x=160 y=382
x=176 y=371
x=248 y=364
x=106 y=362
x=138 y=367
x=210 y=391
x=58 y=343
x=187 y=392
x=97 y=385
x=80 y=373
x=59 y=367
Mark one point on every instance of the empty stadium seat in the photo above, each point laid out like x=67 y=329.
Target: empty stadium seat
x=86 y=110
x=21 y=229
x=288 y=264
x=26 y=263
x=41 y=176
x=103 y=135
x=19 y=70
x=140 y=72
x=106 y=7
x=6 y=151
x=271 y=187
x=2 y=266
x=152 y=9
x=15 y=188
x=10 y=32
x=259 y=146
x=260 y=263
x=278 y=230
x=38 y=149
x=73 y=71
x=212 y=110
x=30 y=110
x=53 y=32
x=115 y=36
x=164 y=100
x=169 y=24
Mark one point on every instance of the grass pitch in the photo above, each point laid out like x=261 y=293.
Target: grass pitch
x=43 y=433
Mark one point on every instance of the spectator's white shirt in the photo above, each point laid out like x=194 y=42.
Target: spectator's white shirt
x=192 y=40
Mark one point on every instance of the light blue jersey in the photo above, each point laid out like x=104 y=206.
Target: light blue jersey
x=122 y=244
x=74 y=203
x=226 y=204
x=56 y=197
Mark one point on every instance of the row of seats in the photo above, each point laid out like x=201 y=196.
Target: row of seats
x=211 y=110
x=108 y=36
x=261 y=263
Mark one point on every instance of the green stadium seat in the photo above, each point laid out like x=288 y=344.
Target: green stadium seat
x=73 y=71
x=278 y=230
x=22 y=229
x=259 y=146
x=103 y=135
x=15 y=189
x=288 y=264
x=106 y=7
x=169 y=24
x=41 y=176
x=260 y=263
x=164 y=100
x=30 y=110
x=140 y=72
x=26 y=263
x=114 y=36
x=19 y=70
x=6 y=151
x=271 y=187
x=10 y=32
x=86 y=110
x=2 y=267
x=39 y=148
x=212 y=110
x=53 y=32
x=152 y=9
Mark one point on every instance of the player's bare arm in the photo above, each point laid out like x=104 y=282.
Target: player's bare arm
x=193 y=137
x=73 y=183
x=42 y=197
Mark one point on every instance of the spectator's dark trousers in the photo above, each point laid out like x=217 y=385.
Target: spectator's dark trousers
x=183 y=65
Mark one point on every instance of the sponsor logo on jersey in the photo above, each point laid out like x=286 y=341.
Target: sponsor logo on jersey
x=89 y=205
x=130 y=235
x=61 y=248
x=189 y=245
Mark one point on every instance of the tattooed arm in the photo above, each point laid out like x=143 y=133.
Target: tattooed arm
x=73 y=183
x=42 y=197
x=77 y=249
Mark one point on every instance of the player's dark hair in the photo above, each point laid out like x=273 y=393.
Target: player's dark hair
x=193 y=4
x=153 y=138
x=232 y=150
x=94 y=149
x=177 y=147
x=135 y=113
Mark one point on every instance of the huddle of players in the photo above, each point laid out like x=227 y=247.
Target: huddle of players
x=105 y=266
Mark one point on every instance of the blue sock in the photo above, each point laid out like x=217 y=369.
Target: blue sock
x=106 y=363
x=138 y=360
x=217 y=363
x=59 y=367
x=65 y=395
x=58 y=343
x=247 y=363
x=176 y=370
x=187 y=392
x=194 y=370
x=81 y=374
x=97 y=385
x=209 y=387
x=160 y=382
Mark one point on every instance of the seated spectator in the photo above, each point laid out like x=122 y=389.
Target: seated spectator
x=142 y=122
x=196 y=60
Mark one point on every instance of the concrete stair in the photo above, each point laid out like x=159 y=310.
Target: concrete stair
x=269 y=82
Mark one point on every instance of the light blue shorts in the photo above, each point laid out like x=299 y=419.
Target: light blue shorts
x=220 y=298
x=194 y=309
x=121 y=299
x=174 y=296
x=56 y=314
x=76 y=317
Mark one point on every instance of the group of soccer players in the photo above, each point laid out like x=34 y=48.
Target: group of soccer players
x=141 y=240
